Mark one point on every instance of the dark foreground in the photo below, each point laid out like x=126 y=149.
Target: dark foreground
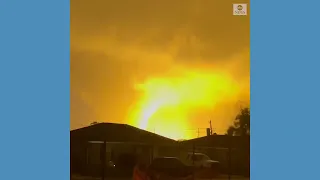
x=222 y=177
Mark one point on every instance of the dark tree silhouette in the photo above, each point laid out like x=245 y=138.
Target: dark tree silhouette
x=241 y=125
x=231 y=131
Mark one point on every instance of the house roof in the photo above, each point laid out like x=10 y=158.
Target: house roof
x=113 y=132
x=219 y=141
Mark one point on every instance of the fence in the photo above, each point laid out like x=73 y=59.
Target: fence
x=232 y=153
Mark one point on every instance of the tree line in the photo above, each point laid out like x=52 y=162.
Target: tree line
x=241 y=124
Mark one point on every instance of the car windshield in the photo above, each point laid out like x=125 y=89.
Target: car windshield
x=205 y=157
x=167 y=163
x=199 y=157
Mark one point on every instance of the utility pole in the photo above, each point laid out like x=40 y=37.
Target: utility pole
x=210 y=128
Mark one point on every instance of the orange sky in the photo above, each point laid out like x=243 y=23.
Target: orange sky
x=167 y=66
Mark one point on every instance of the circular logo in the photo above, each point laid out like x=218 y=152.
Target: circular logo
x=239 y=7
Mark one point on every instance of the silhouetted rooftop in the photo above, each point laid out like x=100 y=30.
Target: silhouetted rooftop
x=219 y=141
x=113 y=132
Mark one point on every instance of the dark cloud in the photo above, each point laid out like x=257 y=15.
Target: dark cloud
x=155 y=24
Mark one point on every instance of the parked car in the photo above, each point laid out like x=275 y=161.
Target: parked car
x=200 y=160
x=169 y=168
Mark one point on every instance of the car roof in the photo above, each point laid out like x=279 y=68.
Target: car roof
x=166 y=158
x=197 y=153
